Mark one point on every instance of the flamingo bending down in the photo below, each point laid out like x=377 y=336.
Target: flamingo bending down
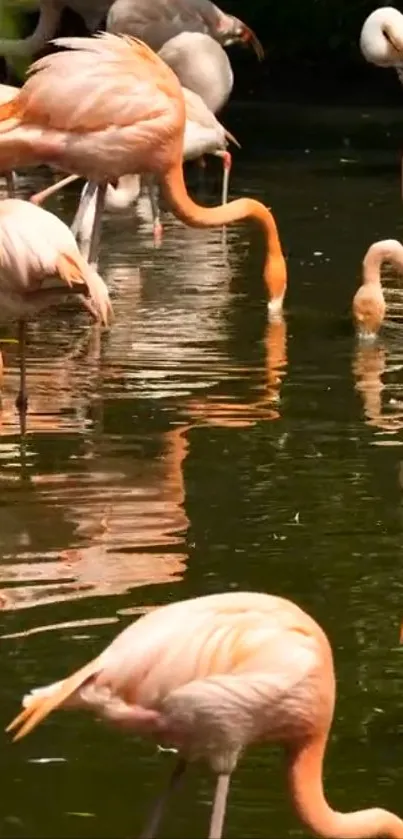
x=155 y=24
x=250 y=667
x=40 y=265
x=369 y=305
x=107 y=107
x=204 y=134
x=161 y=20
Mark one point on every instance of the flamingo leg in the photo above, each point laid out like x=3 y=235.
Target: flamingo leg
x=83 y=210
x=40 y=197
x=152 y=825
x=10 y=184
x=22 y=397
x=153 y=193
x=96 y=227
x=227 y=164
x=219 y=806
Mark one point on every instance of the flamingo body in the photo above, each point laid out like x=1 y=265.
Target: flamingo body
x=381 y=38
x=201 y=65
x=38 y=253
x=250 y=667
x=164 y=19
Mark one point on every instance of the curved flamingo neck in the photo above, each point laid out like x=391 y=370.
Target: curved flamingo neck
x=275 y=270
x=305 y=773
x=389 y=250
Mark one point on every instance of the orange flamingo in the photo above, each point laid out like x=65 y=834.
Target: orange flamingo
x=107 y=107
x=250 y=667
x=369 y=305
x=40 y=264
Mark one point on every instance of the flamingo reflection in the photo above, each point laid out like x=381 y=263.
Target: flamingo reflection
x=382 y=404
x=123 y=515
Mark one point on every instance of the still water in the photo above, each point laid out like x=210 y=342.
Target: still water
x=195 y=448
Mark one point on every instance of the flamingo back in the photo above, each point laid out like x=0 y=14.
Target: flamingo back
x=107 y=106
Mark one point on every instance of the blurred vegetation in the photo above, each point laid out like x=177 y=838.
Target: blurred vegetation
x=311 y=46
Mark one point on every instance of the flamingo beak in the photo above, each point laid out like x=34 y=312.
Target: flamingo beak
x=248 y=37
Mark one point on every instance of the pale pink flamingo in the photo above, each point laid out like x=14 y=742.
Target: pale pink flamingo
x=158 y=21
x=201 y=65
x=7 y=92
x=369 y=305
x=40 y=264
x=107 y=107
x=381 y=43
x=249 y=667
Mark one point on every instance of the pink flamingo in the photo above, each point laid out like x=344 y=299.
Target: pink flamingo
x=249 y=667
x=369 y=305
x=107 y=107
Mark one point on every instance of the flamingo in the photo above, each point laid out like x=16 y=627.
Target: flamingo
x=381 y=43
x=369 y=305
x=250 y=667
x=40 y=264
x=109 y=106
x=7 y=92
x=159 y=20
x=157 y=23
x=204 y=134
x=201 y=65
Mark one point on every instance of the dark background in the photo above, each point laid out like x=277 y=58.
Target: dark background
x=312 y=52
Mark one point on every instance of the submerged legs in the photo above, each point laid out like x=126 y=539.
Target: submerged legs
x=152 y=825
x=22 y=397
x=153 y=192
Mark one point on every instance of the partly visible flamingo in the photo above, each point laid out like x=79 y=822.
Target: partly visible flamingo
x=369 y=305
x=381 y=43
x=7 y=92
x=40 y=265
x=250 y=667
x=157 y=23
x=107 y=107
x=160 y=21
x=201 y=65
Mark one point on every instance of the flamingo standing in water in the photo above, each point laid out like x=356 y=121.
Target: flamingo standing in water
x=369 y=305
x=204 y=134
x=202 y=66
x=40 y=264
x=107 y=107
x=250 y=667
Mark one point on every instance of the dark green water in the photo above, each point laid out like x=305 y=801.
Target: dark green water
x=196 y=448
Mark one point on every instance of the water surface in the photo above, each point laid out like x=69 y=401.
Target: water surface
x=197 y=448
